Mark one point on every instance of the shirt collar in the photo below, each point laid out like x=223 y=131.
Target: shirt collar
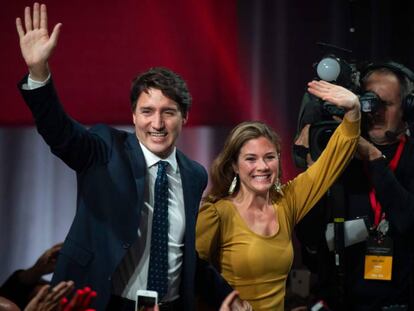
x=151 y=159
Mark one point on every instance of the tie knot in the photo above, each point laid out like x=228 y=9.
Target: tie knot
x=162 y=167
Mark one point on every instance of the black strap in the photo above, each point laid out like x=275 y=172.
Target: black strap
x=336 y=202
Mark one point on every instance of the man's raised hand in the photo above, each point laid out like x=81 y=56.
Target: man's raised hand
x=35 y=43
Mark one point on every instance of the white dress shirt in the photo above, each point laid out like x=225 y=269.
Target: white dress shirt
x=132 y=274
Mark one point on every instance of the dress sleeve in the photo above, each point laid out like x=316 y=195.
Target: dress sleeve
x=208 y=232
x=303 y=192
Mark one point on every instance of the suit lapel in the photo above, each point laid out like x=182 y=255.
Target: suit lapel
x=190 y=185
x=190 y=192
x=137 y=163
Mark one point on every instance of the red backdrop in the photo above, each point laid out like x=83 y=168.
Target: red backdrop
x=104 y=44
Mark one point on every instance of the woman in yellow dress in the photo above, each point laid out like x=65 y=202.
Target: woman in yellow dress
x=246 y=221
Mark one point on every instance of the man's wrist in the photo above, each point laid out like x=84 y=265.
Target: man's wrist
x=39 y=72
x=34 y=84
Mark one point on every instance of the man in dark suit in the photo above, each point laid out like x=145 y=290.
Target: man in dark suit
x=109 y=245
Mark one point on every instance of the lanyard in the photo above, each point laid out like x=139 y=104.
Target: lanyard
x=375 y=205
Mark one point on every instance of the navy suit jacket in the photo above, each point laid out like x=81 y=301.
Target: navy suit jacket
x=111 y=170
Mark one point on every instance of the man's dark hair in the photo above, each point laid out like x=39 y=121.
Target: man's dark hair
x=168 y=82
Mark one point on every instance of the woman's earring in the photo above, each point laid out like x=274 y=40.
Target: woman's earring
x=278 y=187
x=233 y=185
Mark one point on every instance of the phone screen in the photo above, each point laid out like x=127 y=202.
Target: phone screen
x=145 y=301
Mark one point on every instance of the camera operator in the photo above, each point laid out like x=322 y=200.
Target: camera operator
x=375 y=272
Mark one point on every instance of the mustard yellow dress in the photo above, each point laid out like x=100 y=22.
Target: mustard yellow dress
x=255 y=265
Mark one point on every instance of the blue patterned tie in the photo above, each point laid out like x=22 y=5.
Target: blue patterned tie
x=158 y=264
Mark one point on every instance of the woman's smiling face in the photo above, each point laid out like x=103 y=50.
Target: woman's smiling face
x=257 y=165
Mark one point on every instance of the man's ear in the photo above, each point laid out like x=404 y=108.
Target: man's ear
x=133 y=118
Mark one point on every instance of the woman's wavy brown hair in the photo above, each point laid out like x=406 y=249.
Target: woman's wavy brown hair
x=221 y=171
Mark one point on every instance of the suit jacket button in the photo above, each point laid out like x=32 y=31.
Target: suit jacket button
x=125 y=245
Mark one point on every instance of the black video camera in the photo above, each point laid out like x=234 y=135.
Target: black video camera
x=319 y=114
x=336 y=70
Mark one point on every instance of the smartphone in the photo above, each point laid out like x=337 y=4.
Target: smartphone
x=146 y=299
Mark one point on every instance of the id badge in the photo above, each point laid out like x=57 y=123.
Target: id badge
x=378 y=259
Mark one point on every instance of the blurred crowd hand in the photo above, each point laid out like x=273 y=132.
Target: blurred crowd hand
x=234 y=303
x=45 y=264
x=48 y=299
x=54 y=299
x=80 y=301
x=7 y=305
